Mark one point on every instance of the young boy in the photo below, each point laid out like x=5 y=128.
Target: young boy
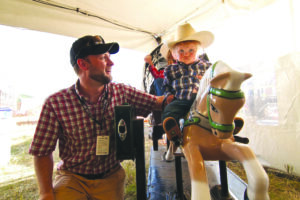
x=182 y=78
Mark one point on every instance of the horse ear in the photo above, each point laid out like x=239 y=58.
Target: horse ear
x=247 y=75
x=220 y=80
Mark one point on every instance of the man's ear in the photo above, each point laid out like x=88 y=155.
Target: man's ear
x=82 y=64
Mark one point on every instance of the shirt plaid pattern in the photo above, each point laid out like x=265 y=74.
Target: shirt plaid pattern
x=180 y=79
x=63 y=118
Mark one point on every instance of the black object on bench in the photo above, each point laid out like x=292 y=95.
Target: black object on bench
x=129 y=137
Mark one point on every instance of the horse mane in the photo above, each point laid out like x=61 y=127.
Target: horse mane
x=203 y=87
x=207 y=77
x=220 y=68
x=205 y=81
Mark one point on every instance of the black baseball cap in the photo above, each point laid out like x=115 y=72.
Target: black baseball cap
x=91 y=45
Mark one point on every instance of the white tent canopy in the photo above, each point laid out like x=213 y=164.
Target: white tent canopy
x=135 y=24
x=257 y=36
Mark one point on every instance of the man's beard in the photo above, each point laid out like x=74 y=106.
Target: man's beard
x=101 y=78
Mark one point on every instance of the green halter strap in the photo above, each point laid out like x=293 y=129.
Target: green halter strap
x=224 y=94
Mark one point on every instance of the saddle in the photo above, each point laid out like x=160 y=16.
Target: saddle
x=174 y=133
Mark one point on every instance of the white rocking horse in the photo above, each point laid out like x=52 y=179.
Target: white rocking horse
x=208 y=133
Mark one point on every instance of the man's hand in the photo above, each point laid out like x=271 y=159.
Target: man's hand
x=162 y=101
x=169 y=99
x=148 y=59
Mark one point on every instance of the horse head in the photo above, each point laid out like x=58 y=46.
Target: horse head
x=221 y=99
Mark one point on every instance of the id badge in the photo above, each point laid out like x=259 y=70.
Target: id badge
x=102 y=146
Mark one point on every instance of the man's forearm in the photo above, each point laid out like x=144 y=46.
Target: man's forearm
x=43 y=166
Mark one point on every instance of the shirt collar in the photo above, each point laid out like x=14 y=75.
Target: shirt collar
x=86 y=99
x=183 y=64
x=77 y=90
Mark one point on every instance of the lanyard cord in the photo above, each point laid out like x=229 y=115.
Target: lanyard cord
x=88 y=111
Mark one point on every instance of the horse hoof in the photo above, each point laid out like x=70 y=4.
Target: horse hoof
x=167 y=160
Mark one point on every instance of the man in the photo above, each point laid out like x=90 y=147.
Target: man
x=81 y=119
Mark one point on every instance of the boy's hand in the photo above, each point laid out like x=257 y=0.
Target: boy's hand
x=199 y=77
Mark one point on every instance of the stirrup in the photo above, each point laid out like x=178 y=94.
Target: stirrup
x=172 y=130
x=239 y=123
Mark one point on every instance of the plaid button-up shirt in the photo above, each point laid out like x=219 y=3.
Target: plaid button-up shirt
x=64 y=118
x=181 y=79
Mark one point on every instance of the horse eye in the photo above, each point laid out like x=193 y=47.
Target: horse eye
x=213 y=108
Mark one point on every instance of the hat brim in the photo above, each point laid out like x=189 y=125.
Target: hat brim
x=112 y=48
x=205 y=38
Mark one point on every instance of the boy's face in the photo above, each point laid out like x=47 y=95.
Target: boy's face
x=186 y=52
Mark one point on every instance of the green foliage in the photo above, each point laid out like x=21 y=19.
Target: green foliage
x=289 y=168
x=19 y=152
x=130 y=181
x=20 y=189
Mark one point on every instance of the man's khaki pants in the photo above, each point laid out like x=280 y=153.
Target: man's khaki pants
x=69 y=186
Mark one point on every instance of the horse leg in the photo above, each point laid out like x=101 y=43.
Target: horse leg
x=169 y=156
x=199 y=183
x=173 y=134
x=258 y=180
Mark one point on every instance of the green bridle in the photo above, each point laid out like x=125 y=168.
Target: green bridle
x=224 y=94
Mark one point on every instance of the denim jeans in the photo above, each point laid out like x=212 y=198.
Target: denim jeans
x=158 y=86
x=177 y=109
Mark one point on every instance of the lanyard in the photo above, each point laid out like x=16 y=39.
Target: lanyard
x=88 y=111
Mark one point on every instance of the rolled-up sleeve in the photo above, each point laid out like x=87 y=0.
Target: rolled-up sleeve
x=46 y=133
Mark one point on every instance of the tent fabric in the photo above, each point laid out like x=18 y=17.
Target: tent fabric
x=135 y=24
x=249 y=34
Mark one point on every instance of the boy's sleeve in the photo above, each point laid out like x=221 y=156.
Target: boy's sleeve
x=167 y=83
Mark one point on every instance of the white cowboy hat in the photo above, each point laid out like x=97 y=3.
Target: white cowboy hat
x=185 y=32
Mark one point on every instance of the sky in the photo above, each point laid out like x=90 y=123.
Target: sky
x=38 y=63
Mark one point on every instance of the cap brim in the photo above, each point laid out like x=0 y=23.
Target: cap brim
x=114 y=48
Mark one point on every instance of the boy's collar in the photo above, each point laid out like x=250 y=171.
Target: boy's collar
x=181 y=63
